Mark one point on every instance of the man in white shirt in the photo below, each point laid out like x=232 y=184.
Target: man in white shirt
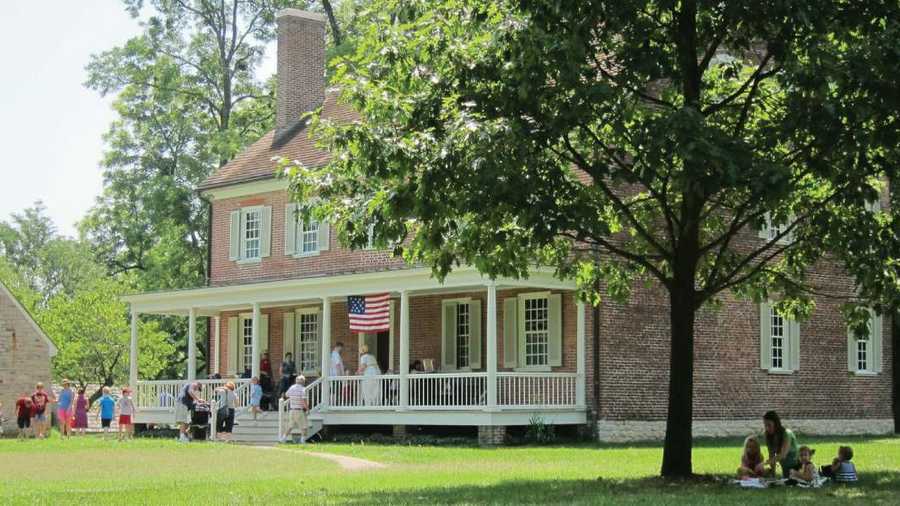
x=296 y=396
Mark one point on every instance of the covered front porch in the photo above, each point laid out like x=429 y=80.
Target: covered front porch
x=480 y=361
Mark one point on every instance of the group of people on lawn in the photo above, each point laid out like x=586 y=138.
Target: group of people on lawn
x=33 y=412
x=795 y=461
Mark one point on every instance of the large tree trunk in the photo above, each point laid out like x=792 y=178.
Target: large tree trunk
x=679 y=433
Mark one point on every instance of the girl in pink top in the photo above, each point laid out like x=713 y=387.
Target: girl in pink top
x=751 y=461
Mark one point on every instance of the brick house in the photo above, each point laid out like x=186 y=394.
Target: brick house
x=25 y=353
x=503 y=350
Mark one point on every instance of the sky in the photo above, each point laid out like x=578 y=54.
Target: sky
x=51 y=126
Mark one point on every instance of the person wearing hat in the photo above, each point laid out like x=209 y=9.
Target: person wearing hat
x=126 y=415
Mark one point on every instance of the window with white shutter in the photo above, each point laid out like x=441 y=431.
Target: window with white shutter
x=250 y=234
x=308 y=335
x=779 y=341
x=864 y=352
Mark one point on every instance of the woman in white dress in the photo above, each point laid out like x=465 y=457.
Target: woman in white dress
x=368 y=368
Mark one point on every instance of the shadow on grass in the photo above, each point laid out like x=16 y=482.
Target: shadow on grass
x=882 y=487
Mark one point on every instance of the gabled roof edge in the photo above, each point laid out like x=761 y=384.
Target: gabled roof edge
x=52 y=346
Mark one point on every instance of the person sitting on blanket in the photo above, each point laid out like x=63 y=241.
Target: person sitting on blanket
x=752 y=465
x=841 y=469
x=807 y=471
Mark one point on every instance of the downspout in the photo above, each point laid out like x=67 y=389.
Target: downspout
x=595 y=331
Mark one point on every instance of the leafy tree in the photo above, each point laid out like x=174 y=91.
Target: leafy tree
x=93 y=334
x=626 y=142
x=49 y=263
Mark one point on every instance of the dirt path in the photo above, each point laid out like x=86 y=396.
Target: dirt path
x=346 y=463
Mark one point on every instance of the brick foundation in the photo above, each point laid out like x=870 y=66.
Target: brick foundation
x=629 y=430
x=400 y=431
x=491 y=435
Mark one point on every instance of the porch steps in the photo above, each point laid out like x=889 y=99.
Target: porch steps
x=264 y=430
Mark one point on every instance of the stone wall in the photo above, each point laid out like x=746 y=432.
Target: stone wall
x=24 y=357
x=630 y=431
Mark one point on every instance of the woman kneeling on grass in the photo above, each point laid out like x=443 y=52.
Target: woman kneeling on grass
x=782 y=445
x=752 y=465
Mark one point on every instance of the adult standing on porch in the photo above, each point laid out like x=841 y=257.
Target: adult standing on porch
x=288 y=372
x=368 y=367
x=335 y=369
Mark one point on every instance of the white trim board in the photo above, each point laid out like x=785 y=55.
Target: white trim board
x=245 y=189
x=209 y=301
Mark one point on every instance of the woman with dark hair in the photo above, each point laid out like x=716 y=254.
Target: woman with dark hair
x=782 y=445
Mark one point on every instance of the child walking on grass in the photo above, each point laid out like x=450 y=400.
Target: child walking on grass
x=107 y=410
x=752 y=465
x=126 y=412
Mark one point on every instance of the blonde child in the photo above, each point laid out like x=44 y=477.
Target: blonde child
x=752 y=464
x=126 y=412
x=807 y=471
x=256 y=394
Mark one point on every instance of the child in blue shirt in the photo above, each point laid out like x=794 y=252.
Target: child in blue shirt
x=107 y=411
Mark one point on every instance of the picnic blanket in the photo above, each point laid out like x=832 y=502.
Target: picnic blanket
x=765 y=483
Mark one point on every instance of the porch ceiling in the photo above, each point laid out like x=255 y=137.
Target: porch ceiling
x=210 y=301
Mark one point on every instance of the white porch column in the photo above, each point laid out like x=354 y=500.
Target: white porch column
x=404 y=349
x=192 y=345
x=492 y=345
x=254 y=340
x=133 y=355
x=580 y=356
x=217 y=342
x=326 y=351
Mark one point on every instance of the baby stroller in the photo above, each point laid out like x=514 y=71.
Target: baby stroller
x=200 y=422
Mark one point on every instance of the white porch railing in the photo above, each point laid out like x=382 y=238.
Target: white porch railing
x=364 y=392
x=164 y=394
x=448 y=390
x=536 y=390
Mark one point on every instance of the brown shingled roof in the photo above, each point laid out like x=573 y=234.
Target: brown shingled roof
x=255 y=161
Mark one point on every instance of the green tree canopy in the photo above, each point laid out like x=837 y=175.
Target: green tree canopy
x=91 y=330
x=624 y=142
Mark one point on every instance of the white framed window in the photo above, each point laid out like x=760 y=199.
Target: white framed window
x=308 y=238
x=779 y=339
x=771 y=230
x=250 y=234
x=864 y=352
x=246 y=342
x=250 y=240
x=536 y=330
x=303 y=238
x=463 y=335
x=308 y=333
x=370 y=233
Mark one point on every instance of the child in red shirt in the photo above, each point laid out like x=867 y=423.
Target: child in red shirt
x=24 y=409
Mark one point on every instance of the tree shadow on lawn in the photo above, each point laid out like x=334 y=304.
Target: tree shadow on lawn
x=739 y=441
x=881 y=487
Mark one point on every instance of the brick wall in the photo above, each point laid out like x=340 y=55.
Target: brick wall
x=728 y=381
x=24 y=357
x=335 y=260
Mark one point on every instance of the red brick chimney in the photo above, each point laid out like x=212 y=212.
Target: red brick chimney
x=301 y=67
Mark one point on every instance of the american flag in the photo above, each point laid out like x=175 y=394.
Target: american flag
x=370 y=313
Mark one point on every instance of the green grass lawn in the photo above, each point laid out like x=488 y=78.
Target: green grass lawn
x=91 y=471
